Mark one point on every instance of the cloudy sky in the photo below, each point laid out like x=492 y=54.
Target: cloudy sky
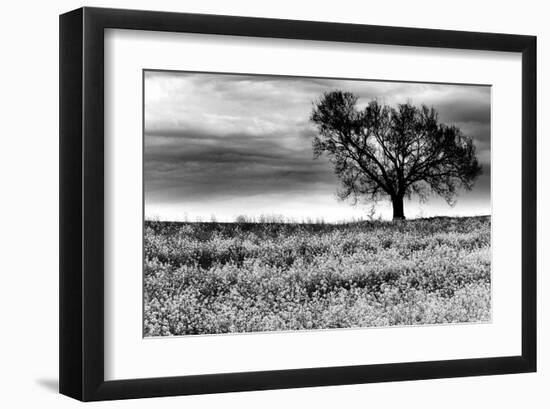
x=226 y=145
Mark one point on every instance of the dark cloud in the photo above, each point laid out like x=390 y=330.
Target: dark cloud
x=202 y=165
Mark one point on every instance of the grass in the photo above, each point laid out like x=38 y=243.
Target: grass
x=209 y=278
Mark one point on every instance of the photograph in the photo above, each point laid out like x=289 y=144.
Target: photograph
x=288 y=203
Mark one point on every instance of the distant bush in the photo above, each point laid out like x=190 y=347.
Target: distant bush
x=203 y=278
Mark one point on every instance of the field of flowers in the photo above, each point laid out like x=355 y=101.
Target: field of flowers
x=207 y=278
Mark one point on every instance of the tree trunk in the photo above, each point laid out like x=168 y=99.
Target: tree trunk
x=398 y=210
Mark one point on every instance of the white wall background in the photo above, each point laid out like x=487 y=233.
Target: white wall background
x=29 y=205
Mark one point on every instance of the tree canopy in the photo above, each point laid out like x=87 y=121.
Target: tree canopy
x=393 y=152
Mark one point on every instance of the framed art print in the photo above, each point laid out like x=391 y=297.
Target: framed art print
x=254 y=204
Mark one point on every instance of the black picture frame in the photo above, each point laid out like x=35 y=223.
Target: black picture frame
x=81 y=318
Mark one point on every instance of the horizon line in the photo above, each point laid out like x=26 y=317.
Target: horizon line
x=269 y=220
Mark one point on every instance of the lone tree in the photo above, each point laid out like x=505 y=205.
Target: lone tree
x=383 y=151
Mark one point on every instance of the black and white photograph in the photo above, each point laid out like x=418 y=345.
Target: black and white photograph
x=276 y=203
x=248 y=204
